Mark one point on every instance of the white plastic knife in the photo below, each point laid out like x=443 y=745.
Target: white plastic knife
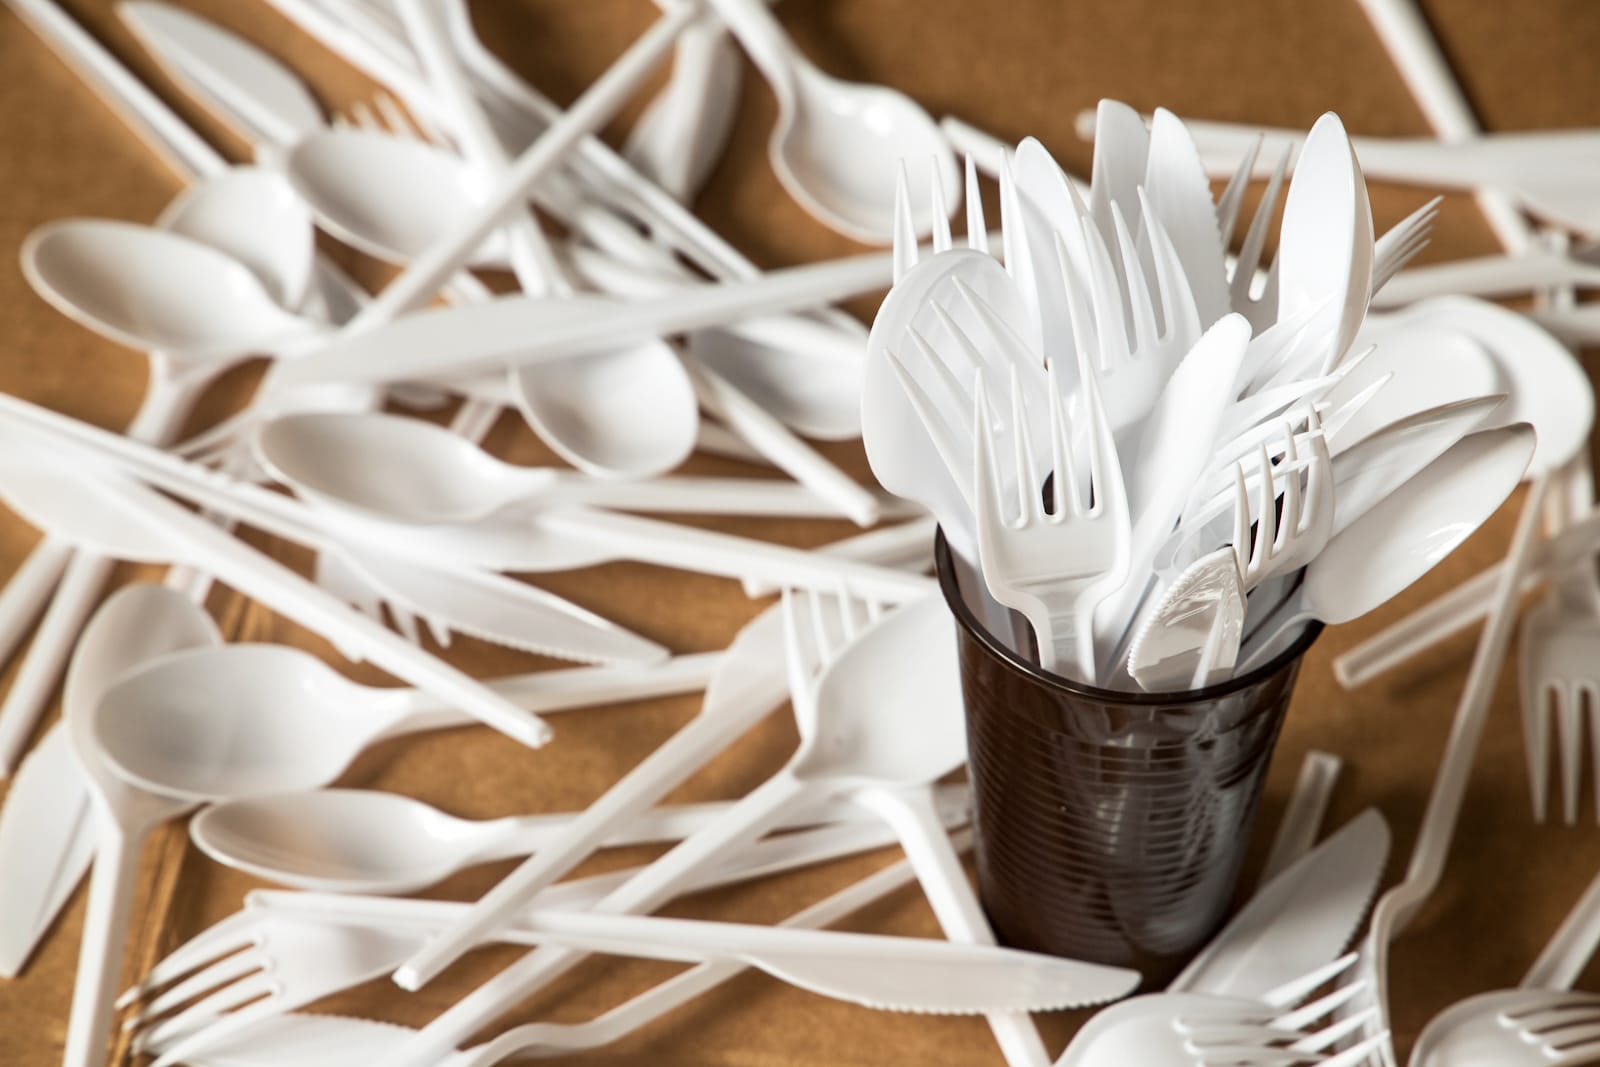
x=1302 y=920
x=45 y=846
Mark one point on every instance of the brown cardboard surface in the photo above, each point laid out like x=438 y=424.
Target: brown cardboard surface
x=1017 y=67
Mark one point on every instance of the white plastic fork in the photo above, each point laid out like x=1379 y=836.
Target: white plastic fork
x=1054 y=567
x=1196 y=1030
x=1559 y=676
x=1290 y=539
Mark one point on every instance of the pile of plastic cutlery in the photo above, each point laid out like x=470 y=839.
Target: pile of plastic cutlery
x=1154 y=461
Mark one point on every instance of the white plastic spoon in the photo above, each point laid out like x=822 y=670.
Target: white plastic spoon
x=1326 y=245
x=253 y=215
x=412 y=470
x=365 y=841
x=1402 y=537
x=837 y=146
x=249 y=720
x=138 y=623
x=679 y=139
x=149 y=289
x=560 y=535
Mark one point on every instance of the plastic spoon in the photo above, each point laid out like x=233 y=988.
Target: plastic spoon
x=249 y=720
x=679 y=139
x=361 y=841
x=561 y=534
x=149 y=289
x=253 y=215
x=1402 y=537
x=136 y=624
x=837 y=145
x=1326 y=244
x=411 y=470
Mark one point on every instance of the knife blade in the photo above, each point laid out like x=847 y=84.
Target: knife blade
x=45 y=846
x=1301 y=920
x=253 y=94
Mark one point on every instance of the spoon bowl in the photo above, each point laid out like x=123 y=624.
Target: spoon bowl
x=341 y=840
x=248 y=720
x=255 y=216
x=149 y=289
x=839 y=150
x=838 y=146
x=390 y=467
x=389 y=197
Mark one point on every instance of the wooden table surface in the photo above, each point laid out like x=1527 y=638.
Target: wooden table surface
x=1019 y=67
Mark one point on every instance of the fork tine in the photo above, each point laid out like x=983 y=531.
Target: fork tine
x=1232 y=199
x=227 y=1011
x=1137 y=291
x=1180 y=317
x=905 y=231
x=1266 y=515
x=1255 y=238
x=1290 y=524
x=1337 y=1031
x=1029 y=487
x=1068 y=494
x=1241 y=521
x=217 y=977
x=1106 y=299
x=946 y=442
x=1085 y=337
x=1321 y=1008
x=1592 y=693
x=211 y=945
x=797 y=661
x=942 y=241
x=986 y=474
x=1013 y=226
x=395 y=118
x=977 y=228
x=1297 y=989
x=949 y=385
x=1537 y=712
x=1008 y=342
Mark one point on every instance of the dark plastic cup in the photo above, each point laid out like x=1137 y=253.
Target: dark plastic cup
x=1111 y=826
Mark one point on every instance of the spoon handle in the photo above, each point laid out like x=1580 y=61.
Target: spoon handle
x=105 y=928
x=687 y=495
x=912 y=814
x=762 y=37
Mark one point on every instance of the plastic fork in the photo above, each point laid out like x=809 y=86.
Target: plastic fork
x=1560 y=680
x=1054 y=567
x=1290 y=539
x=1281 y=1029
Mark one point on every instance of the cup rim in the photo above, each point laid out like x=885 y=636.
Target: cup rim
x=1047 y=679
